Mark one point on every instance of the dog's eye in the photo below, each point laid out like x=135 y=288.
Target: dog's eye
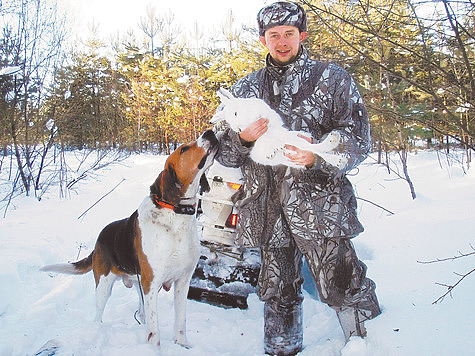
x=184 y=149
x=235 y=113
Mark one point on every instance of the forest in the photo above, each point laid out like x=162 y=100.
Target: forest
x=151 y=89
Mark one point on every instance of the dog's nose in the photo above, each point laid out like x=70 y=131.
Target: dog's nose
x=209 y=136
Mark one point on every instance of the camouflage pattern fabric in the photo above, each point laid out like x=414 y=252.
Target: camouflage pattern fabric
x=341 y=281
x=319 y=202
x=282 y=14
x=310 y=212
x=283 y=318
x=339 y=275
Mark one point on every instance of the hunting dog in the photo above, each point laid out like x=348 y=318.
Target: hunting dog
x=270 y=147
x=157 y=246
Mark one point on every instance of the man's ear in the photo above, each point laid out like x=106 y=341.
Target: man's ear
x=263 y=40
x=303 y=36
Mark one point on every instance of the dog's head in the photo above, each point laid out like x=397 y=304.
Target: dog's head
x=240 y=112
x=184 y=169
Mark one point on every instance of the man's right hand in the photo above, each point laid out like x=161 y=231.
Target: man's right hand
x=254 y=130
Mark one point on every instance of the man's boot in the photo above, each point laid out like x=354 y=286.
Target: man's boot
x=283 y=331
x=352 y=318
x=352 y=322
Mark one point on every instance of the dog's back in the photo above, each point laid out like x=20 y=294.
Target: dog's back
x=157 y=246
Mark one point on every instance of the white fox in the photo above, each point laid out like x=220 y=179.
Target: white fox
x=270 y=147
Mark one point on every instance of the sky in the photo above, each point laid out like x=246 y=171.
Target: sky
x=113 y=16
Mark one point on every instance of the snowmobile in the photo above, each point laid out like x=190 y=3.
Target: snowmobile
x=225 y=274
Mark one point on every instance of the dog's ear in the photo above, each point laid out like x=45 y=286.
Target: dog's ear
x=205 y=188
x=155 y=187
x=171 y=186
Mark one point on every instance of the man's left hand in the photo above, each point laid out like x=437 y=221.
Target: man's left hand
x=300 y=157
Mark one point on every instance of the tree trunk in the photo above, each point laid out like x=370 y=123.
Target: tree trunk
x=403 y=156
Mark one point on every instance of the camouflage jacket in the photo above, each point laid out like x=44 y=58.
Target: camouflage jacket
x=313 y=203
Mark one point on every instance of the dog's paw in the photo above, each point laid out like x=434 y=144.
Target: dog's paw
x=182 y=341
x=154 y=339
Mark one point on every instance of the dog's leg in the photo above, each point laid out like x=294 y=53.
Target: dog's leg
x=181 y=291
x=151 y=318
x=103 y=292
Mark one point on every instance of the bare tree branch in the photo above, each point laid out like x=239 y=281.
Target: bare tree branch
x=93 y=205
x=451 y=287
x=460 y=255
x=379 y=206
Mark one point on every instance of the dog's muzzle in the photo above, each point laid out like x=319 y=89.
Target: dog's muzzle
x=209 y=142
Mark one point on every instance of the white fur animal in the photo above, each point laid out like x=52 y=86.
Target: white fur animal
x=269 y=148
x=158 y=244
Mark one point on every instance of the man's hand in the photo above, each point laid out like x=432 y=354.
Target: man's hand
x=300 y=157
x=254 y=130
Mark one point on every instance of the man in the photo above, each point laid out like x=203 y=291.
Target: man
x=309 y=212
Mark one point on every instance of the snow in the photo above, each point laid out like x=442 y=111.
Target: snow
x=37 y=307
x=10 y=70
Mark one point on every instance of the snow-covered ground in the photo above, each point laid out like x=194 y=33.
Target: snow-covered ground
x=37 y=307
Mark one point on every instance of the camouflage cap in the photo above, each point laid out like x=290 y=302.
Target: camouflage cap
x=282 y=13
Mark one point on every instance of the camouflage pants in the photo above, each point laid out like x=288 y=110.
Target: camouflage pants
x=341 y=281
x=338 y=273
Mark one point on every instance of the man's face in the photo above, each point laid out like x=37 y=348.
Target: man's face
x=283 y=43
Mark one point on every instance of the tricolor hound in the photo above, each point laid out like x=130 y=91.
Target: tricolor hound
x=158 y=244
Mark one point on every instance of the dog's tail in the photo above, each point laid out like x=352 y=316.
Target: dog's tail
x=79 y=267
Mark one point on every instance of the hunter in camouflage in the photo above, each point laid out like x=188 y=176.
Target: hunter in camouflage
x=311 y=212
